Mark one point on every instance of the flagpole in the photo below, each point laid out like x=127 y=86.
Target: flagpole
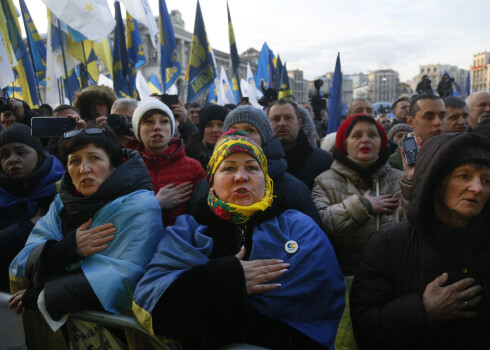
x=83 y=78
x=64 y=62
x=32 y=57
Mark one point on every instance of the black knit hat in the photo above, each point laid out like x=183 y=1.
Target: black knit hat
x=21 y=133
x=211 y=112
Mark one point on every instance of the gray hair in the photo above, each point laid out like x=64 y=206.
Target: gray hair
x=124 y=103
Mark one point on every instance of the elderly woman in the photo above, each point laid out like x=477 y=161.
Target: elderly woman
x=173 y=174
x=28 y=179
x=91 y=248
x=424 y=283
x=359 y=193
x=242 y=270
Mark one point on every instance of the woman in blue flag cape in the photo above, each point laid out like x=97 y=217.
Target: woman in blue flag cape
x=28 y=179
x=91 y=248
x=243 y=270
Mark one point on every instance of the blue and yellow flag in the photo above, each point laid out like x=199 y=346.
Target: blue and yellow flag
x=277 y=72
x=121 y=67
x=263 y=68
x=133 y=42
x=71 y=84
x=24 y=71
x=36 y=45
x=286 y=91
x=155 y=85
x=235 y=60
x=170 y=66
x=201 y=71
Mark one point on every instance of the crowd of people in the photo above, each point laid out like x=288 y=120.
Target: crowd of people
x=220 y=225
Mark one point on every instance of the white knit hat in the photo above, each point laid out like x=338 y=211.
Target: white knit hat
x=146 y=105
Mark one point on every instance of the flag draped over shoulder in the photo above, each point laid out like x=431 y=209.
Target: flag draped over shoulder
x=136 y=54
x=262 y=73
x=123 y=85
x=335 y=103
x=235 y=59
x=23 y=71
x=286 y=90
x=201 y=71
x=36 y=45
x=170 y=66
x=92 y=18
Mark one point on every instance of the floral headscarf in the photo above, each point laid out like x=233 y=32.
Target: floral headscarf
x=232 y=142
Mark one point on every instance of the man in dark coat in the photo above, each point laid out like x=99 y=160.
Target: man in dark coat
x=304 y=161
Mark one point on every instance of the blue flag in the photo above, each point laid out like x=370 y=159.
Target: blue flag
x=136 y=54
x=170 y=66
x=277 y=78
x=213 y=94
x=23 y=71
x=36 y=45
x=201 y=71
x=71 y=82
x=286 y=90
x=468 y=83
x=235 y=60
x=122 y=80
x=263 y=67
x=335 y=103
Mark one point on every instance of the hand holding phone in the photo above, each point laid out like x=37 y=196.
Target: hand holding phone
x=411 y=149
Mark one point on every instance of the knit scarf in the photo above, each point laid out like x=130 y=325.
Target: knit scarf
x=237 y=141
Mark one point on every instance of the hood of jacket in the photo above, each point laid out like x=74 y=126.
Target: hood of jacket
x=276 y=164
x=437 y=158
x=129 y=177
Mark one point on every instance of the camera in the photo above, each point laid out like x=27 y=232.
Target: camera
x=119 y=124
x=318 y=102
x=270 y=95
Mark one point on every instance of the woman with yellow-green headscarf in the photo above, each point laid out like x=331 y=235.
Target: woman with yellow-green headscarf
x=242 y=270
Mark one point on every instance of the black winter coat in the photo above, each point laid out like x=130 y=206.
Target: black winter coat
x=387 y=306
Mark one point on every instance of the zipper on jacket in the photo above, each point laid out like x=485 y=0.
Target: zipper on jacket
x=240 y=238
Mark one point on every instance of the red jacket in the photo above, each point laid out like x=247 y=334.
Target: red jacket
x=172 y=166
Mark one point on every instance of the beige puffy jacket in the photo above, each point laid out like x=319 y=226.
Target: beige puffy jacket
x=348 y=222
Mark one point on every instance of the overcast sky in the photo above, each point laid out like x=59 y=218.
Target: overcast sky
x=370 y=35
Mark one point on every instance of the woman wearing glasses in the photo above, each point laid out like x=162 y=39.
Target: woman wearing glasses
x=91 y=248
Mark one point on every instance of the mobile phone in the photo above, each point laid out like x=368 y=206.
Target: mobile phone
x=51 y=126
x=170 y=100
x=411 y=149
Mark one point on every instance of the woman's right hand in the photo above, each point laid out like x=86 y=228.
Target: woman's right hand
x=259 y=272
x=94 y=240
x=455 y=301
x=171 y=196
x=384 y=203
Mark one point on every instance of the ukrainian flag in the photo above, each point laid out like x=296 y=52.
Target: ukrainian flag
x=123 y=84
x=201 y=71
x=263 y=68
x=24 y=70
x=155 y=85
x=286 y=91
x=235 y=59
x=36 y=45
x=170 y=66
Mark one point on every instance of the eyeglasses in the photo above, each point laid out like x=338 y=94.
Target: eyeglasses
x=90 y=131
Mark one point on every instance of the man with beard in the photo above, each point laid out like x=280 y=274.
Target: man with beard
x=479 y=104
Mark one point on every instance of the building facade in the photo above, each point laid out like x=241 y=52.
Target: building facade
x=435 y=73
x=480 y=72
x=383 y=85
x=299 y=86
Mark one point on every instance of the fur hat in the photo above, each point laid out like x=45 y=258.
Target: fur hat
x=398 y=127
x=92 y=93
x=211 y=112
x=252 y=115
x=21 y=133
x=146 y=105
x=346 y=127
